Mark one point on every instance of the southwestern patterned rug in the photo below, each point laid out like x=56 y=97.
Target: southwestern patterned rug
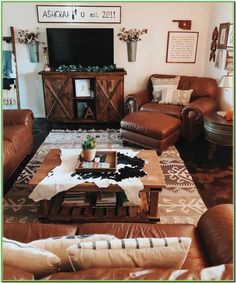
x=180 y=202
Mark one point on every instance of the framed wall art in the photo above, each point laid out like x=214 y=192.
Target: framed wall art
x=230 y=37
x=82 y=88
x=223 y=35
x=182 y=47
x=78 y=14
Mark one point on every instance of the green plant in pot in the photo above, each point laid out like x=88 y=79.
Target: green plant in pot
x=89 y=148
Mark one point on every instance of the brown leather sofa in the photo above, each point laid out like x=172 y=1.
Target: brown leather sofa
x=210 y=256
x=203 y=100
x=17 y=139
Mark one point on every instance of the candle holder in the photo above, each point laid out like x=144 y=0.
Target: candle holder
x=45 y=53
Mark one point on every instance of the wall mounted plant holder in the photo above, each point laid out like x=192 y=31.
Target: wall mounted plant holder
x=132 y=50
x=33 y=52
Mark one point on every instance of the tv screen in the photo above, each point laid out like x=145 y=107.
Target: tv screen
x=84 y=46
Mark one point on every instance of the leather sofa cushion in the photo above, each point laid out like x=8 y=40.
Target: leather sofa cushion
x=196 y=257
x=19 y=135
x=223 y=272
x=8 y=152
x=173 y=110
x=13 y=273
x=156 y=125
x=27 y=232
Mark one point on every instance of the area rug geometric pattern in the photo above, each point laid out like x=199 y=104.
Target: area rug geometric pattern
x=179 y=202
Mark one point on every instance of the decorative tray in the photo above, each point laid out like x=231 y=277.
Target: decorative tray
x=104 y=161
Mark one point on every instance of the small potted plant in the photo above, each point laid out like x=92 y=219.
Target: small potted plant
x=89 y=148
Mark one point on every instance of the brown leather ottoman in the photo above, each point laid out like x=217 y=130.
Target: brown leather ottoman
x=150 y=130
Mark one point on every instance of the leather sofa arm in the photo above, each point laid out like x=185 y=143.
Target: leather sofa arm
x=204 y=105
x=192 y=115
x=216 y=231
x=134 y=101
x=13 y=273
x=18 y=117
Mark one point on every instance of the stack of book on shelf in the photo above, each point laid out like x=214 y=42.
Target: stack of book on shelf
x=105 y=199
x=74 y=198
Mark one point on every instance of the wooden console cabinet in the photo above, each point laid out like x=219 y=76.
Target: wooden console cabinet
x=63 y=104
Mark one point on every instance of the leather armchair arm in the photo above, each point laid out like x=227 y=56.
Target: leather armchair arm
x=18 y=117
x=192 y=115
x=216 y=231
x=134 y=101
x=14 y=273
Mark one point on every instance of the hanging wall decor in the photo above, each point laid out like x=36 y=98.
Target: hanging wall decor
x=78 y=14
x=183 y=24
x=131 y=37
x=181 y=47
x=31 y=39
x=33 y=49
x=230 y=37
x=213 y=44
x=223 y=35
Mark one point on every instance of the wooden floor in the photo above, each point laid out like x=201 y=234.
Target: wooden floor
x=213 y=178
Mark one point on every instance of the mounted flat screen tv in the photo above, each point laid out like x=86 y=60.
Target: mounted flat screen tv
x=83 y=46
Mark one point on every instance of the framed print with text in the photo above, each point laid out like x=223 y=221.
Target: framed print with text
x=182 y=47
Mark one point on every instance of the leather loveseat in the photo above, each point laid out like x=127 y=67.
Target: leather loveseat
x=17 y=139
x=210 y=256
x=203 y=101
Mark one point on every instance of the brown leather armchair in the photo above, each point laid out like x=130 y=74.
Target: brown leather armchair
x=17 y=139
x=203 y=100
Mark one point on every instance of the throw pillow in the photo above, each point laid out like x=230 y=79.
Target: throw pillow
x=58 y=245
x=29 y=258
x=178 y=97
x=137 y=252
x=163 y=87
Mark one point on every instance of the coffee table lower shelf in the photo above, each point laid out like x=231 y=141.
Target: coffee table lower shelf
x=53 y=211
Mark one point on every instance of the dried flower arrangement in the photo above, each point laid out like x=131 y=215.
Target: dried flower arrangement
x=131 y=35
x=28 y=37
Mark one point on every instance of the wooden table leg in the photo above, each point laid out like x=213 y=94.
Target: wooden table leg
x=153 y=209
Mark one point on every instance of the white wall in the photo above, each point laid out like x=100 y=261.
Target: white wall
x=156 y=16
x=220 y=13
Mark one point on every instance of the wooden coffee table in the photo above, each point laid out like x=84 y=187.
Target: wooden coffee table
x=53 y=211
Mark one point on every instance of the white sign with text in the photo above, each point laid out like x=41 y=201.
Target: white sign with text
x=181 y=47
x=78 y=14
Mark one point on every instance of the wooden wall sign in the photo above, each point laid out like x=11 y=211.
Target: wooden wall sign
x=78 y=14
x=181 y=47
